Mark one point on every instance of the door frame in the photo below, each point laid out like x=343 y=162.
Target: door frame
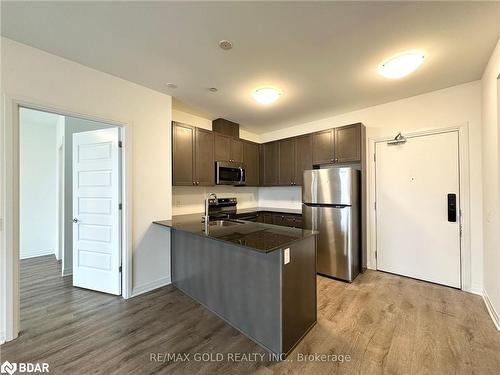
x=464 y=190
x=9 y=251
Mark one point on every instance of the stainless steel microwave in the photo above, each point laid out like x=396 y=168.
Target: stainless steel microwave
x=229 y=173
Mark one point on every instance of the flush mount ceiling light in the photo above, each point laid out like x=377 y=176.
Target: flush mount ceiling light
x=266 y=95
x=401 y=65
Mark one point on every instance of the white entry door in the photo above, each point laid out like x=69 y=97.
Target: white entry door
x=418 y=230
x=96 y=214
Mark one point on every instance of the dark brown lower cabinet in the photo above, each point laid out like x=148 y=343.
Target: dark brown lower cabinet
x=287 y=220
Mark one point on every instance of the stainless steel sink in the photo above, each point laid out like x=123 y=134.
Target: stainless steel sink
x=224 y=223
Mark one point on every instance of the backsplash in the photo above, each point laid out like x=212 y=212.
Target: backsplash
x=188 y=199
x=280 y=197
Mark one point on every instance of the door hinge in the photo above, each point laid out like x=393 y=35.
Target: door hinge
x=461 y=231
x=120 y=144
x=375 y=205
x=375 y=254
x=120 y=206
x=120 y=269
x=375 y=157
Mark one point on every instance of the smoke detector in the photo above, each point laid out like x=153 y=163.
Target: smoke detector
x=171 y=85
x=213 y=89
x=225 y=44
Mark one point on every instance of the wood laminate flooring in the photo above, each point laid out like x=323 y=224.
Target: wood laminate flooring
x=385 y=323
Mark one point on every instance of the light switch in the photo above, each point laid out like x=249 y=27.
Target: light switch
x=286 y=256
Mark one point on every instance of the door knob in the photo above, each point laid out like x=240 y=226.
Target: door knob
x=75 y=220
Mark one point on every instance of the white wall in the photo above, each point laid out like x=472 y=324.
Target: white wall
x=34 y=76
x=72 y=125
x=38 y=185
x=439 y=109
x=491 y=182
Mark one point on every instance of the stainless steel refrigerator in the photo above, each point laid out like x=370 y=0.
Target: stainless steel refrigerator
x=331 y=205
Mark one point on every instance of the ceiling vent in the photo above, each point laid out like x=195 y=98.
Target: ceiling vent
x=225 y=44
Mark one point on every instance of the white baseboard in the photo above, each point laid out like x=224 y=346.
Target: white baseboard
x=2 y=338
x=67 y=272
x=491 y=309
x=35 y=253
x=476 y=289
x=144 y=288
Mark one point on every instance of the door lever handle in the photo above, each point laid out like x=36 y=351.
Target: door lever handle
x=452 y=208
x=75 y=220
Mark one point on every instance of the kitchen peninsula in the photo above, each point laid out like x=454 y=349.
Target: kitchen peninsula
x=260 y=278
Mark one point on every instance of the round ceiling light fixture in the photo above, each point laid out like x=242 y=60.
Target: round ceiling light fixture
x=266 y=95
x=401 y=65
x=225 y=44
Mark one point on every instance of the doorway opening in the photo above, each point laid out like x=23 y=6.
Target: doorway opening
x=70 y=206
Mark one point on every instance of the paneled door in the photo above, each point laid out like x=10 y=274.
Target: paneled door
x=96 y=213
x=417 y=208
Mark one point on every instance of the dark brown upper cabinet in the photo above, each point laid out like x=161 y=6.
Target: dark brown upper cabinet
x=323 y=144
x=236 y=150
x=295 y=156
x=338 y=145
x=286 y=161
x=269 y=163
x=227 y=148
x=348 y=143
x=303 y=156
x=204 y=157
x=251 y=161
x=183 y=154
x=222 y=147
x=193 y=156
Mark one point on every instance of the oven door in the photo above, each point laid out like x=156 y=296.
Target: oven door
x=227 y=173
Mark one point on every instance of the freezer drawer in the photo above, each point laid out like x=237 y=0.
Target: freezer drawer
x=338 y=239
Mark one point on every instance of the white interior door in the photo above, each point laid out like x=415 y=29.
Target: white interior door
x=96 y=214
x=415 y=236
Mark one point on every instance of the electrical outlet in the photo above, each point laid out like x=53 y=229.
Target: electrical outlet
x=286 y=256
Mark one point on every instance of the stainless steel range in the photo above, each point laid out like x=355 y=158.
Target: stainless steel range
x=222 y=208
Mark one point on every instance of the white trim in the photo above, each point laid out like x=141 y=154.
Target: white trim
x=10 y=255
x=144 y=288
x=491 y=310
x=476 y=289
x=37 y=253
x=2 y=338
x=67 y=272
x=465 y=242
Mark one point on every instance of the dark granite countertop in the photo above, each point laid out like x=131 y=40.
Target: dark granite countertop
x=256 y=236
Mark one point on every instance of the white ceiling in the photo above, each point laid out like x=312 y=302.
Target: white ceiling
x=323 y=55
